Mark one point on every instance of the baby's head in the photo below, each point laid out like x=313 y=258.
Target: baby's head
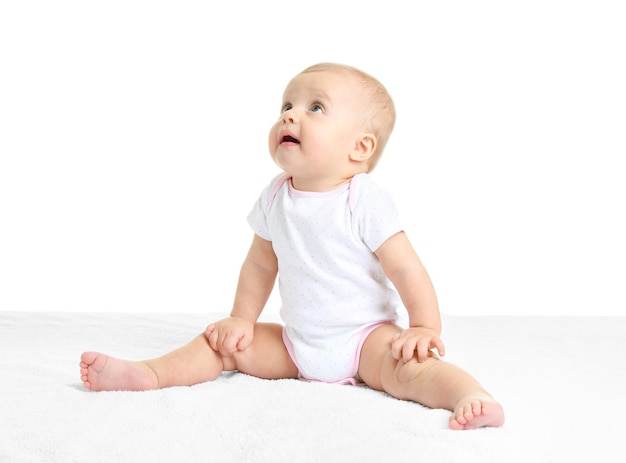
x=334 y=123
x=379 y=114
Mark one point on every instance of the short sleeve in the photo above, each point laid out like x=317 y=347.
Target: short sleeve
x=257 y=218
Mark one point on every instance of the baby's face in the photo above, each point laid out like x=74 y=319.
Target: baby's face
x=320 y=120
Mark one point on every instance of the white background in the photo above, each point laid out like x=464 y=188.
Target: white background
x=133 y=142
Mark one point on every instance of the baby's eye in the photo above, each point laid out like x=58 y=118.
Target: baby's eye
x=316 y=108
x=286 y=107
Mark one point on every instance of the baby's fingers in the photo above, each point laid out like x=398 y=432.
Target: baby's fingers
x=228 y=344
x=224 y=343
x=404 y=349
x=409 y=348
x=244 y=342
x=397 y=345
x=438 y=344
x=216 y=339
x=213 y=337
x=426 y=344
x=423 y=349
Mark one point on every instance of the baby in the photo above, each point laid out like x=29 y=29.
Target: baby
x=345 y=267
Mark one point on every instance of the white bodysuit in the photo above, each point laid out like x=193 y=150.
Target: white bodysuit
x=332 y=286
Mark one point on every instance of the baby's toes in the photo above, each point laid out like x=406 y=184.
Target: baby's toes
x=477 y=408
x=468 y=412
x=459 y=415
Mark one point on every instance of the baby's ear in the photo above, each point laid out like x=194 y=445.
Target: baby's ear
x=364 y=147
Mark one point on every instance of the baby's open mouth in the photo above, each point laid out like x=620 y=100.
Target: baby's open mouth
x=289 y=139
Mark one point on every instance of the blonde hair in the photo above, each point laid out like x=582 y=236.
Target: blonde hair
x=380 y=115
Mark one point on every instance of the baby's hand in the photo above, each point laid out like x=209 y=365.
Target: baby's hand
x=420 y=340
x=230 y=335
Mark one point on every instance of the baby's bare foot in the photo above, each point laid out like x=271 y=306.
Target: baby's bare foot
x=99 y=372
x=477 y=413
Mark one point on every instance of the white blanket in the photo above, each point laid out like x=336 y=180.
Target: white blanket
x=561 y=381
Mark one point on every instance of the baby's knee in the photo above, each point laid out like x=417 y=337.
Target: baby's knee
x=412 y=371
x=401 y=379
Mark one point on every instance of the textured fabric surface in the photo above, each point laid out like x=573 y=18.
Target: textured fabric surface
x=561 y=381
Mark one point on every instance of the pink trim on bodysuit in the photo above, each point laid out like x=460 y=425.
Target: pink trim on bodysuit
x=352 y=193
x=284 y=177
x=354 y=380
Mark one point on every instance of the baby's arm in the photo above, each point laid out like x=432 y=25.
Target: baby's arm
x=256 y=281
x=405 y=270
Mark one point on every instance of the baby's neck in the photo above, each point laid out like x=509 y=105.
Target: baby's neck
x=318 y=185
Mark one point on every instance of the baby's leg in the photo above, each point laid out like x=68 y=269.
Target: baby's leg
x=193 y=363
x=434 y=383
x=190 y=364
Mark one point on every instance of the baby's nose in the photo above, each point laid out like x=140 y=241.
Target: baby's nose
x=289 y=117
